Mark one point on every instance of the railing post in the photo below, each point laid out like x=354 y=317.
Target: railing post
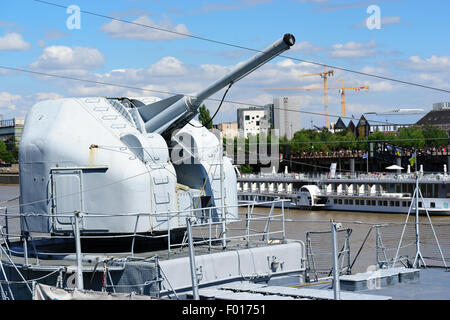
x=134 y=236
x=192 y=260
x=210 y=227
x=168 y=233
x=282 y=220
x=376 y=247
x=222 y=202
x=25 y=250
x=336 y=284
x=80 y=283
x=247 y=228
x=224 y=230
x=6 y=226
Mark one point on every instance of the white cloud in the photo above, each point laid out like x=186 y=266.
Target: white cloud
x=139 y=31
x=47 y=96
x=432 y=64
x=167 y=66
x=15 y=105
x=353 y=50
x=76 y=58
x=8 y=101
x=306 y=47
x=170 y=74
x=13 y=42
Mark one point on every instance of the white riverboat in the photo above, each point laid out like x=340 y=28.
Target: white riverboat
x=375 y=192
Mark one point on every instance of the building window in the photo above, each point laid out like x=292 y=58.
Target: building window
x=247 y=117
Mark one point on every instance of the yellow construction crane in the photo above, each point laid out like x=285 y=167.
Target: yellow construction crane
x=342 y=93
x=325 y=76
x=326 y=88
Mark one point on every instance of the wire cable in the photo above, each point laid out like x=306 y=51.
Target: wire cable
x=174 y=93
x=210 y=121
x=247 y=48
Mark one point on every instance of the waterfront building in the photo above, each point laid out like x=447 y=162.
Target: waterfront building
x=253 y=121
x=287 y=116
x=228 y=129
x=11 y=129
x=439 y=118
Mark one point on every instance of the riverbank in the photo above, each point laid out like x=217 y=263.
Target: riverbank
x=10 y=178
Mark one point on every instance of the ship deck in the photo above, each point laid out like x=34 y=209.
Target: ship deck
x=434 y=284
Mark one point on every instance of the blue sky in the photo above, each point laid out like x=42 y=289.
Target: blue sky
x=411 y=45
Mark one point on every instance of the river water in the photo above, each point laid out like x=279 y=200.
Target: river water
x=299 y=222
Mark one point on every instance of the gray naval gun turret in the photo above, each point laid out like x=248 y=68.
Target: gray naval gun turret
x=111 y=159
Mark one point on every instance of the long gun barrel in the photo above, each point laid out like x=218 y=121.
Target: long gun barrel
x=166 y=115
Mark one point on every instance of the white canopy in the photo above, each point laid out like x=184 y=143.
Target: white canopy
x=394 y=167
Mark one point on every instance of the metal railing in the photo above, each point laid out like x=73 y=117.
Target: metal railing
x=354 y=176
x=201 y=217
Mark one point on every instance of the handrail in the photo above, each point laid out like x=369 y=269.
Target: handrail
x=203 y=221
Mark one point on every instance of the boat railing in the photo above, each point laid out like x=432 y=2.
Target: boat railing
x=314 y=177
x=215 y=225
x=377 y=194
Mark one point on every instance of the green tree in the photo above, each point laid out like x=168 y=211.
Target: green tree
x=12 y=148
x=5 y=155
x=411 y=137
x=246 y=168
x=204 y=117
x=434 y=137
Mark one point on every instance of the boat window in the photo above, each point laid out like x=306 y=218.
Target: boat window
x=397 y=203
x=374 y=203
x=350 y=202
x=391 y=203
x=432 y=205
x=420 y=204
x=385 y=203
x=404 y=203
x=357 y=202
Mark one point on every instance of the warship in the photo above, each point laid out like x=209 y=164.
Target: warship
x=130 y=198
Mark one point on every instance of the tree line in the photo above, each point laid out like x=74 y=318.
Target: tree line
x=9 y=152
